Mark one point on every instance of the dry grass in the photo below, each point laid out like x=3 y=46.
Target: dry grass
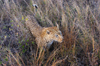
x=79 y=23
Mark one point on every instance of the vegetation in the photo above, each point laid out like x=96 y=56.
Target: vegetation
x=79 y=22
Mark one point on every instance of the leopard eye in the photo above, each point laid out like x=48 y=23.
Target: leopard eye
x=48 y=32
x=56 y=35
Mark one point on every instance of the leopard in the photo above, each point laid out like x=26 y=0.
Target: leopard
x=44 y=36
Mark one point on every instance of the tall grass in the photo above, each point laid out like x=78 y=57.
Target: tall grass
x=78 y=21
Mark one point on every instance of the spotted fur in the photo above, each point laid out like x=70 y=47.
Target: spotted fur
x=44 y=36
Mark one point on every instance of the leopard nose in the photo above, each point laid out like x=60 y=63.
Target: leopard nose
x=61 y=40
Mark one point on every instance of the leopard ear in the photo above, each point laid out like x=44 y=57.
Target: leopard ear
x=48 y=32
x=57 y=25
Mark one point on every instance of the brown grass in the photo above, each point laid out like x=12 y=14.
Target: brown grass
x=79 y=22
